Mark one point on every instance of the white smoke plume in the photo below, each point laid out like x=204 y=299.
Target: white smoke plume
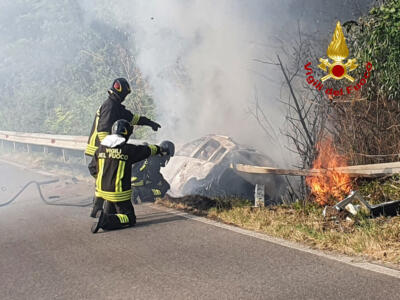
x=199 y=59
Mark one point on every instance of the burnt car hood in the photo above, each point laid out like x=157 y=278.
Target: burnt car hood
x=181 y=169
x=203 y=166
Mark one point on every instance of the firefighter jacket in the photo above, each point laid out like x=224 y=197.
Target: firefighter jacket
x=109 y=112
x=147 y=174
x=111 y=165
x=139 y=173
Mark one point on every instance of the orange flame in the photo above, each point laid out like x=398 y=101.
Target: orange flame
x=337 y=49
x=329 y=186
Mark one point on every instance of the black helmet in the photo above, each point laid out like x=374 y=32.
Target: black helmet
x=120 y=88
x=122 y=128
x=168 y=146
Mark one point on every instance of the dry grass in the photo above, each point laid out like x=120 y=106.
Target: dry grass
x=375 y=239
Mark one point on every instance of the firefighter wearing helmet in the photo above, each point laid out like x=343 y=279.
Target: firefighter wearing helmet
x=148 y=183
x=112 y=110
x=111 y=165
x=109 y=112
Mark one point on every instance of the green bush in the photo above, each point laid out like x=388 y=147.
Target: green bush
x=57 y=65
x=376 y=39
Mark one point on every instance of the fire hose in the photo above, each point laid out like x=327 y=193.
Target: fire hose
x=38 y=186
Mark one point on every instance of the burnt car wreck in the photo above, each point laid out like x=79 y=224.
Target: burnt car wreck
x=203 y=167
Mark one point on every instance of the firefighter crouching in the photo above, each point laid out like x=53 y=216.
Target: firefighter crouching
x=147 y=181
x=111 y=165
x=109 y=112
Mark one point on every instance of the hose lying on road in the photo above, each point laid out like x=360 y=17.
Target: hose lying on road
x=38 y=184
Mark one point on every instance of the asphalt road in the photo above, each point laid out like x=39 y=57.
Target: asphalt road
x=48 y=252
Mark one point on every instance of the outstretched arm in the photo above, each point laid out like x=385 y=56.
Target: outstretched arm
x=140 y=152
x=136 y=119
x=147 y=122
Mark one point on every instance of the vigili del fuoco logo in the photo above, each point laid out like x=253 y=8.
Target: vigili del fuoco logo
x=338 y=52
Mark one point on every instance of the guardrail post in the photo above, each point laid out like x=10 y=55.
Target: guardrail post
x=28 y=148
x=63 y=154
x=14 y=146
x=45 y=150
x=259 y=195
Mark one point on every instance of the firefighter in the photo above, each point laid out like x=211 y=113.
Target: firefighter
x=111 y=165
x=109 y=112
x=147 y=181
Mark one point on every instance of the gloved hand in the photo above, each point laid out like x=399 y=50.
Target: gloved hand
x=154 y=125
x=147 y=122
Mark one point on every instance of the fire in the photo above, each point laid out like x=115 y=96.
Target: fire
x=328 y=186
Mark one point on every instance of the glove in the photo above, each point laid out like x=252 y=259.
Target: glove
x=154 y=125
x=147 y=122
x=156 y=192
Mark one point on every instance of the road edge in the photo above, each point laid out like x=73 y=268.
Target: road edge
x=352 y=261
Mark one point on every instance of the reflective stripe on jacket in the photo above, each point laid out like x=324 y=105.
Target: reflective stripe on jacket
x=112 y=169
x=109 y=112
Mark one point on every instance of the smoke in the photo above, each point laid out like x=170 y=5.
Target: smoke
x=199 y=60
x=198 y=57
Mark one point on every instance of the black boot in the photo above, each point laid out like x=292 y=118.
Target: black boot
x=97 y=206
x=99 y=224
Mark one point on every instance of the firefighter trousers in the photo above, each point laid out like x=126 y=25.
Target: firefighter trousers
x=118 y=215
x=97 y=205
x=97 y=202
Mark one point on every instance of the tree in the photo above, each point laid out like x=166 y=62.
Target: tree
x=367 y=127
x=57 y=66
x=375 y=38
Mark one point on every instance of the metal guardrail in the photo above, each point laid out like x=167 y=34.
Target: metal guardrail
x=79 y=143
x=371 y=170
x=49 y=140
x=56 y=141
x=60 y=141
